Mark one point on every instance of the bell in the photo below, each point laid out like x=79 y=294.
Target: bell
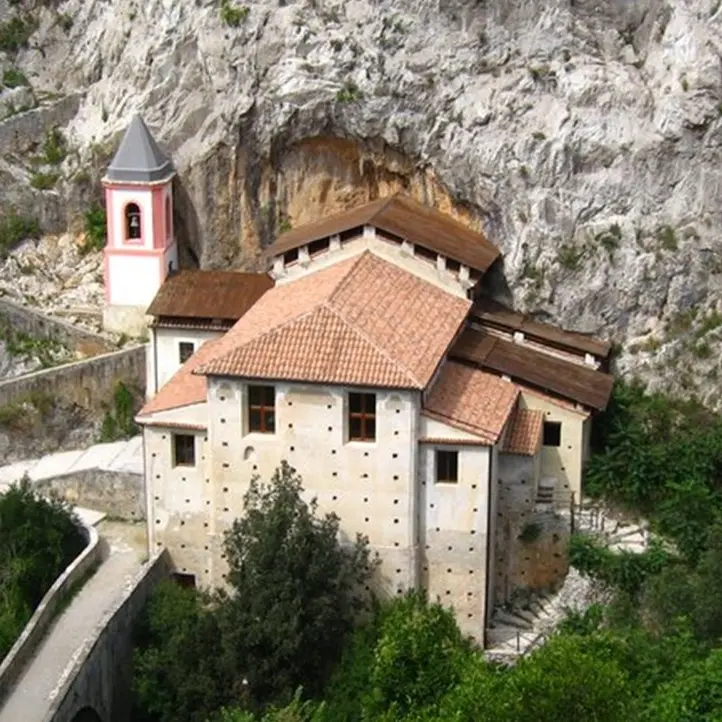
x=134 y=222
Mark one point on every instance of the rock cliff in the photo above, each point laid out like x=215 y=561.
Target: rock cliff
x=583 y=135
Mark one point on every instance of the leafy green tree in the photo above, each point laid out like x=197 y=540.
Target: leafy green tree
x=417 y=658
x=295 y=591
x=178 y=675
x=694 y=695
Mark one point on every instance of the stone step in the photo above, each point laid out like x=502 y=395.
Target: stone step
x=511 y=619
x=526 y=614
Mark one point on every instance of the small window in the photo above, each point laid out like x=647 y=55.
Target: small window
x=362 y=417
x=185 y=350
x=132 y=221
x=168 y=218
x=552 y=433
x=184 y=450
x=262 y=409
x=447 y=467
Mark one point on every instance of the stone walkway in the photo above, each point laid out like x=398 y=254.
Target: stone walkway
x=516 y=632
x=125 y=456
x=37 y=687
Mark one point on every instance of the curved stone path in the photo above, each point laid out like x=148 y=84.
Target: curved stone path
x=125 y=553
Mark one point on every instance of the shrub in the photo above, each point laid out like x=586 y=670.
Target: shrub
x=233 y=15
x=95 y=226
x=15 y=33
x=55 y=147
x=13 y=78
x=44 y=181
x=349 y=93
x=570 y=256
x=118 y=422
x=15 y=228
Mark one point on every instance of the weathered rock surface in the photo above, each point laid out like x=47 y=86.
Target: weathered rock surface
x=583 y=135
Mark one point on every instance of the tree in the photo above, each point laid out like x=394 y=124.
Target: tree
x=295 y=591
x=178 y=675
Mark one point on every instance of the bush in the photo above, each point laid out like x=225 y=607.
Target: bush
x=95 y=225
x=38 y=539
x=13 y=78
x=15 y=228
x=55 y=148
x=44 y=181
x=119 y=422
x=233 y=15
x=15 y=33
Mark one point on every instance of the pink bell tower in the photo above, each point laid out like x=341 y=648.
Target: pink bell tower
x=141 y=248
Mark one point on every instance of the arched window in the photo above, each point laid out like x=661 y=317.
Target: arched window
x=132 y=221
x=168 y=218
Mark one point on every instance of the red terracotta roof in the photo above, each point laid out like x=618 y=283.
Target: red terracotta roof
x=471 y=400
x=525 y=432
x=371 y=324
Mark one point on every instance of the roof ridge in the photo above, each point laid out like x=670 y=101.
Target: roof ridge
x=372 y=343
x=387 y=201
x=341 y=283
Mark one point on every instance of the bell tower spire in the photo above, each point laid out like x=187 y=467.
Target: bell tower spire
x=141 y=248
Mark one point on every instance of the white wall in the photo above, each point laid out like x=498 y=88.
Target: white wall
x=453 y=534
x=134 y=279
x=387 y=250
x=163 y=350
x=144 y=198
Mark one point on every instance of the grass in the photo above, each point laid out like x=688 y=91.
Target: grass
x=709 y=323
x=570 y=256
x=15 y=228
x=14 y=78
x=667 y=238
x=610 y=239
x=21 y=414
x=44 y=181
x=55 y=148
x=233 y=15
x=94 y=225
x=702 y=350
x=349 y=93
x=15 y=33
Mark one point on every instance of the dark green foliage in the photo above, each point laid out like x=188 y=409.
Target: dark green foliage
x=14 y=78
x=55 y=148
x=15 y=228
x=38 y=539
x=48 y=351
x=295 y=590
x=95 y=226
x=178 y=674
x=15 y=33
x=119 y=422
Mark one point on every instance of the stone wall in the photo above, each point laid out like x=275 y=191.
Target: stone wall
x=101 y=673
x=89 y=383
x=38 y=325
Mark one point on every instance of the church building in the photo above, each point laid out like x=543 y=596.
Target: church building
x=431 y=419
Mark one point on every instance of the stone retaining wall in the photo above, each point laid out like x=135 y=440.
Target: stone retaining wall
x=89 y=384
x=99 y=677
x=24 y=648
x=38 y=325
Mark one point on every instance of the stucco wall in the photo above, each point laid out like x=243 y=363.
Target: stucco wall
x=565 y=462
x=38 y=325
x=389 y=251
x=163 y=350
x=89 y=383
x=453 y=533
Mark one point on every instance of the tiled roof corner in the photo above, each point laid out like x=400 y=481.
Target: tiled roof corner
x=524 y=436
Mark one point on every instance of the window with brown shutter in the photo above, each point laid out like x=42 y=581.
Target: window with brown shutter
x=262 y=409
x=361 y=417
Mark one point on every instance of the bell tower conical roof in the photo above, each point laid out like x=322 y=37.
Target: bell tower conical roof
x=138 y=158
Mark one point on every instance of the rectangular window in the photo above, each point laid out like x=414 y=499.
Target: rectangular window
x=185 y=350
x=552 y=433
x=447 y=467
x=184 y=450
x=262 y=409
x=362 y=417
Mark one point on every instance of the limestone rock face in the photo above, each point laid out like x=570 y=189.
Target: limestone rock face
x=583 y=135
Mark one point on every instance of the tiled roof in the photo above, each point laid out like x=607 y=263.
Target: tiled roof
x=209 y=295
x=363 y=321
x=471 y=400
x=404 y=218
x=525 y=433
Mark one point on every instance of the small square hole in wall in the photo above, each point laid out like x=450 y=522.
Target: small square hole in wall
x=399 y=591
x=396 y=477
x=448 y=592
x=205 y=525
x=157 y=521
x=328 y=406
x=290 y=403
x=366 y=499
x=396 y=544
x=208 y=503
x=154 y=454
x=164 y=437
x=398 y=411
x=398 y=571
x=396 y=521
x=396 y=501
x=334 y=497
x=394 y=455
x=473 y=486
x=366 y=518
x=157 y=476
x=255 y=467
x=183 y=546
x=224 y=443
x=226 y=465
x=431 y=506
x=292 y=448
x=225 y=508
x=396 y=433
x=225 y=488
x=290 y=426
x=437 y=529
x=208 y=481
x=183 y=478
x=182 y=523
x=223 y=421
x=157 y=498
x=206 y=547
x=333 y=451
x=476 y=508
x=366 y=453
x=158 y=544
x=330 y=428
x=334 y=473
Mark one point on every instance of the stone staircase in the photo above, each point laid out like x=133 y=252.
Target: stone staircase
x=514 y=632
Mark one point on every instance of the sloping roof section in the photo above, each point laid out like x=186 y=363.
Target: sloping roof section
x=222 y=295
x=405 y=218
x=525 y=433
x=362 y=322
x=471 y=400
x=569 y=380
x=138 y=158
x=499 y=316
